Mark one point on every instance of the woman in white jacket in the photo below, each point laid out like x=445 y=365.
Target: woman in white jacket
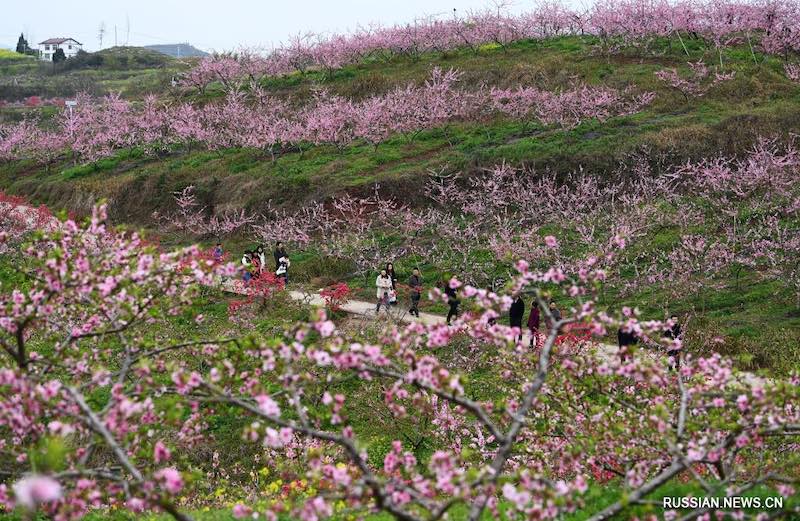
x=384 y=288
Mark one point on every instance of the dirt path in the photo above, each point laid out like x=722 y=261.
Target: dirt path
x=399 y=313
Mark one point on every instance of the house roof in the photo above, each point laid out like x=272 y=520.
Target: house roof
x=58 y=41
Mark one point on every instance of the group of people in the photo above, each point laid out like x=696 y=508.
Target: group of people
x=386 y=293
x=626 y=339
x=386 y=289
x=516 y=313
x=254 y=263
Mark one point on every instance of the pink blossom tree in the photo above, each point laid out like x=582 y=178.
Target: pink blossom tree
x=83 y=325
x=80 y=326
x=697 y=84
x=194 y=219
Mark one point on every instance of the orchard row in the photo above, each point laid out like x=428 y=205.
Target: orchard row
x=772 y=26
x=252 y=118
x=728 y=218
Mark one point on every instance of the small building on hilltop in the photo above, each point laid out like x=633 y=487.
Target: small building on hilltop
x=47 y=48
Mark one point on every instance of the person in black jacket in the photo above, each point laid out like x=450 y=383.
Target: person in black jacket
x=674 y=333
x=626 y=339
x=280 y=251
x=515 y=314
x=393 y=276
x=452 y=301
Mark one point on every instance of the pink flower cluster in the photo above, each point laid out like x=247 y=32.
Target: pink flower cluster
x=697 y=83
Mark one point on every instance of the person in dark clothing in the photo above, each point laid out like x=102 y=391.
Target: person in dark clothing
x=415 y=283
x=515 y=314
x=247 y=264
x=452 y=301
x=555 y=311
x=218 y=252
x=626 y=339
x=533 y=323
x=280 y=251
x=392 y=275
x=556 y=316
x=674 y=333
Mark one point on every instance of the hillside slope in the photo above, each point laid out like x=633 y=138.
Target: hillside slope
x=177 y=50
x=759 y=101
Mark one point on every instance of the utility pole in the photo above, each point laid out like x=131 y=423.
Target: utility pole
x=101 y=31
x=115 y=36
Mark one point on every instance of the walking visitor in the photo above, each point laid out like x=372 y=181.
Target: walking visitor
x=218 y=252
x=674 y=352
x=262 y=257
x=283 y=269
x=415 y=283
x=247 y=263
x=533 y=323
x=280 y=251
x=390 y=272
x=383 y=285
x=625 y=340
x=255 y=264
x=452 y=301
x=555 y=316
x=515 y=314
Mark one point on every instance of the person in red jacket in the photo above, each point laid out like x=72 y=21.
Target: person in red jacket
x=533 y=323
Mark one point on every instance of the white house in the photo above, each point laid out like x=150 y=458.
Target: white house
x=47 y=48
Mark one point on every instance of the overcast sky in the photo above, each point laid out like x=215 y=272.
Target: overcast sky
x=210 y=24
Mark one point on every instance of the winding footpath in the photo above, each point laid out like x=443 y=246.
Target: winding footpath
x=605 y=352
x=397 y=313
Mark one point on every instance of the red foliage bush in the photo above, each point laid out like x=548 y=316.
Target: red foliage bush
x=335 y=295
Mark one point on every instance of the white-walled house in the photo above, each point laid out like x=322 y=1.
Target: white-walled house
x=47 y=48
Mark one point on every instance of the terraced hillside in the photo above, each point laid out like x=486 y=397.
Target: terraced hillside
x=553 y=182
x=758 y=101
